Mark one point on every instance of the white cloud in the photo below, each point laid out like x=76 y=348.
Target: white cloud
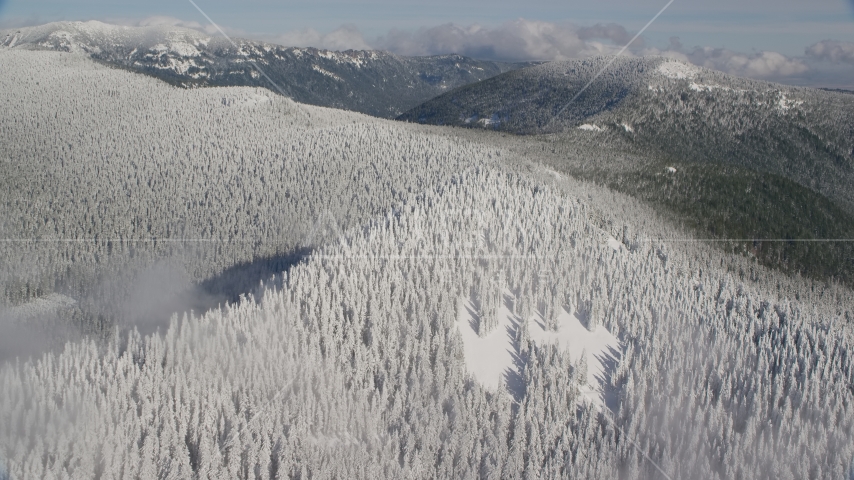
x=518 y=40
x=832 y=50
x=758 y=65
x=764 y=65
x=164 y=21
x=167 y=21
x=673 y=50
x=522 y=40
x=526 y=40
x=613 y=32
x=346 y=37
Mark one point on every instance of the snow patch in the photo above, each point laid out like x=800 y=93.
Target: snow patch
x=614 y=243
x=598 y=347
x=590 y=128
x=628 y=128
x=245 y=101
x=354 y=58
x=784 y=104
x=678 y=70
x=491 y=359
x=184 y=49
x=326 y=72
x=63 y=38
x=702 y=87
x=175 y=64
x=699 y=87
x=254 y=99
x=493 y=120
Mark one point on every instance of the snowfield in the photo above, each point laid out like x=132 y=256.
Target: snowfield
x=599 y=349
x=493 y=359
x=677 y=70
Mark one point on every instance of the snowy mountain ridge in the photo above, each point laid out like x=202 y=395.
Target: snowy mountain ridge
x=374 y=82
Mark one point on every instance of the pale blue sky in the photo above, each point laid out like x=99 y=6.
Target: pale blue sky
x=723 y=28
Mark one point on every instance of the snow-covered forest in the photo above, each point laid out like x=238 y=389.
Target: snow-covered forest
x=753 y=159
x=357 y=241
x=220 y=183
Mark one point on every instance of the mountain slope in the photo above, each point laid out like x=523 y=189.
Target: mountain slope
x=670 y=109
x=351 y=361
x=526 y=100
x=377 y=83
x=287 y=178
x=753 y=160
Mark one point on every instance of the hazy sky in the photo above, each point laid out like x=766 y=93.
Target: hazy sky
x=797 y=41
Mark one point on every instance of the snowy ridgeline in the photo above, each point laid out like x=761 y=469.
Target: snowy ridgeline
x=383 y=354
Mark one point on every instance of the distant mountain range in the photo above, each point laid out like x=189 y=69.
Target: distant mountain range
x=838 y=90
x=372 y=82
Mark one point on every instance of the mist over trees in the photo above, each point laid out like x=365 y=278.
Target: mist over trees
x=346 y=361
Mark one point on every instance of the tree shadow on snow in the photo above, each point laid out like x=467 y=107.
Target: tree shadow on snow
x=157 y=304
x=245 y=278
x=513 y=378
x=609 y=361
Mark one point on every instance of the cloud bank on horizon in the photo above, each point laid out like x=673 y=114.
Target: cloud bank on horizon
x=823 y=63
x=829 y=62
